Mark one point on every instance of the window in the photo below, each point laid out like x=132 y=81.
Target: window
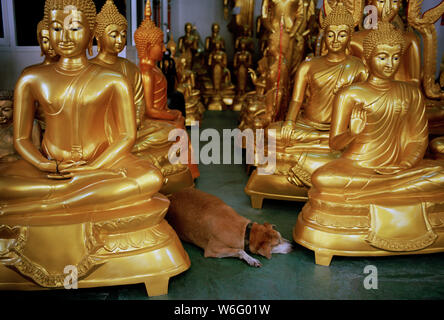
x=28 y=15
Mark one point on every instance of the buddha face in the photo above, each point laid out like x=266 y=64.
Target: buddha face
x=72 y=41
x=113 y=40
x=384 y=61
x=337 y=38
x=45 y=44
x=188 y=28
x=215 y=28
x=5 y=111
x=155 y=52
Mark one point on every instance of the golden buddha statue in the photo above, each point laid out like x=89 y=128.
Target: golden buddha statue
x=220 y=77
x=302 y=139
x=188 y=45
x=45 y=46
x=380 y=197
x=187 y=86
x=243 y=59
x=410 y=69
x=152 y=135
x=85 y=201
x=425 y=25
x=7 y=151
x=245 y=37
x=210 y=42
x=150 y=48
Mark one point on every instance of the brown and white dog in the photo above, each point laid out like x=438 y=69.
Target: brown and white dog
x=208 y=222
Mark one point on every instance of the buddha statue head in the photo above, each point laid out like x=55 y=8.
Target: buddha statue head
x=383 y=49
x=71 y=25
x=43 y=39
x=111 y=29
x=149 y=39
x=338 y=27
x=215 y=28
x=188 y=28
x=6 y=107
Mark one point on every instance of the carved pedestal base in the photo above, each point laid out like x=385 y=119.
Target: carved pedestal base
x=339 y=234
x=260 y=187
x=106 y=248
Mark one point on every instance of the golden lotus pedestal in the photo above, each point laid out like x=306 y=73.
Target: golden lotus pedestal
x=343 y=233
x=260 y=187
x=107 y=248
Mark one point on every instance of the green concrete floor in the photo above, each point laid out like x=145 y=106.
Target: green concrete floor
x=285 y=277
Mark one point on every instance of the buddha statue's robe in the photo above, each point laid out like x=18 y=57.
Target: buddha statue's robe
x=87 y=122
x=396 y=131
x=150 y=132
x=324 y=80
x=152 y=135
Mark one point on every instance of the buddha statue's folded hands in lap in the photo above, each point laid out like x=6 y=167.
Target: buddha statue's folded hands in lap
x=381 y=126
x=90 y=129
x=317 y=81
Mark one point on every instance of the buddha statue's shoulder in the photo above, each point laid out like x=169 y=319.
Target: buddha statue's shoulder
x=129 y=65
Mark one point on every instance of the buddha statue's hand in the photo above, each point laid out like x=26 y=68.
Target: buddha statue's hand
x=286 y=131
x=48 y=166
x=358 y=119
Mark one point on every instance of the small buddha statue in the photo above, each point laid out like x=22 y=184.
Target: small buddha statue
x=187 y=86
x=380 y=197
x=84 y=200
x=302 y=139
x=152 y=135
x=245 y=37
x=243 y=60
x=150 y=48
x=210 y=42
x=220 y=76
x=7 y=150
x=188 y=45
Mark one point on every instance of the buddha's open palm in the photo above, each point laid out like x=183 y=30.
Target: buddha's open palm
x=358 y=119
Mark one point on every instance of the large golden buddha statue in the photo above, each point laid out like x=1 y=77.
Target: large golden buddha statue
x=84 y=202
x=152 y=135
x=150 y=48
x=380 y=197
x=302 y=139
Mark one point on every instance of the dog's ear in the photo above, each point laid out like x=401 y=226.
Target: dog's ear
x=265 y=249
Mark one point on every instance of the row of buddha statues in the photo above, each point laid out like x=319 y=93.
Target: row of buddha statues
x=84 y=169
x=354 y=141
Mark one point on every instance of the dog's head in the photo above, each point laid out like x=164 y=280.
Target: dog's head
x=265 y=240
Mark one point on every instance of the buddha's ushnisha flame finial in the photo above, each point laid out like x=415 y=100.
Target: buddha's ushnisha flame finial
x=148 y=33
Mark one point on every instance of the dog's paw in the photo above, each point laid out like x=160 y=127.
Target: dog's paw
x=253 y=262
